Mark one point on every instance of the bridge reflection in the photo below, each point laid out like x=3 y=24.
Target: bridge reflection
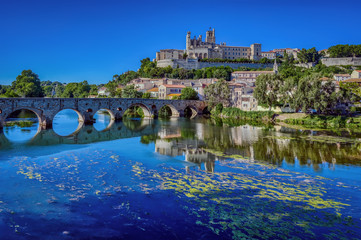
x=202 y=143
x=88 y=134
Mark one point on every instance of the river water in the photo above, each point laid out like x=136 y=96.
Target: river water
x=178 y=179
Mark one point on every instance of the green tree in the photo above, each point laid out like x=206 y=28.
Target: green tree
x=309 y=55
x=218 y=92
x=76 y=90
x=267 y=90
x=130 y=91
x=353 y=87
x=27 y=84
x=146 y=95
x=345 y=50
x=312 y=93
x=59 y=90
x=48 y=90
x=188 y=93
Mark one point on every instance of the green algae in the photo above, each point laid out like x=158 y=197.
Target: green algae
x=331 y=139
x=247 y=206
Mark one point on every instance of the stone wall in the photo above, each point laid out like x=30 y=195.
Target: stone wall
x=306 y=65
x=47 y=108
x=194 y=64
x=353 y=61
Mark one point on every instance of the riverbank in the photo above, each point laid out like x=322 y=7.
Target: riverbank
x=319 y=121
x=238 y=114
x=308 y=121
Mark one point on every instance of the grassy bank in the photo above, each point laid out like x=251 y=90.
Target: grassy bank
x=310 y=121
x=238 y=114
x=22 y=123
x=326 y=121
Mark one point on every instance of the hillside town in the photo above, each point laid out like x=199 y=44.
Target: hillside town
x=205 y=62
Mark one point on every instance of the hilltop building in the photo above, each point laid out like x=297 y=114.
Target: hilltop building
x=196 y=48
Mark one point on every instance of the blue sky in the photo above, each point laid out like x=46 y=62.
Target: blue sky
x=71 y=41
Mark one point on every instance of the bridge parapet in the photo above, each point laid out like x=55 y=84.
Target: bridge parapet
x=47 y=108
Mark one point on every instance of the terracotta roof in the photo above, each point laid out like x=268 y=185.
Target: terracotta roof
x=173 y=94
x=173 y=86
x=358 y=70
x=235 y=84
x=155 y=89
x=342 y=75
x=325 y=79
x=358 y=80
x=172 y=136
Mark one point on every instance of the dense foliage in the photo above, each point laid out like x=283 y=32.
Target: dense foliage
x=27 y=84
x=346 y=50
x=218 y=92
x=236 y=113
x=77 y=90
x=303 y=89
x=149 y=69
x=309 y=55
x=267 y=90
x=131 y=92
x=188 y=93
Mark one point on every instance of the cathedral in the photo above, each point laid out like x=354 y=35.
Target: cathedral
x=196 y=48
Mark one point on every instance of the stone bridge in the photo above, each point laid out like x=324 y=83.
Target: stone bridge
x=46 y=108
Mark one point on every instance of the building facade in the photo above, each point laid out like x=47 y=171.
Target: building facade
x=341 y=77
x=167 y=91
x=196 y=48
x=356 y=74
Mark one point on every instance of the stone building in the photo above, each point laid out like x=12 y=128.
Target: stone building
x=103 y=91
x=269 y=55
x=247 y=77
x=170 y=54
x=341 y=77
x=154 y=92
x=167 y=91
x=196 y=48
x=290 y=51
x=356 y=74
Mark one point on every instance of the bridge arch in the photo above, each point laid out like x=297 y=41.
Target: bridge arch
x=190 y=111
x=147 y=112
x=175 y=112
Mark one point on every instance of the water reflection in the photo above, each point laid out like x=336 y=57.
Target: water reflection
x=66 y=122
x=200 y=140
x=21 y=126
x=103 y=120
x=216 y=179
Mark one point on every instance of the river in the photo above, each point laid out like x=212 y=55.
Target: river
x=177 y=179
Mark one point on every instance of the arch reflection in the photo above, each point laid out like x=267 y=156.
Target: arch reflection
x=67 y=122
x=21 y=125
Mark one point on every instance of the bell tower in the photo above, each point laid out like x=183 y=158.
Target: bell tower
x=210 y=36
x=188 y=40
x=275 y=66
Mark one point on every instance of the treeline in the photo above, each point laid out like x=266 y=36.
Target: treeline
x=303 y=89
x=28 y=84
x=149 y=69
x=345 y=50
x=309 y=55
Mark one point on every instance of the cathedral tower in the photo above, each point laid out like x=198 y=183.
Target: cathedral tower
x=210 y=36
x=188 y=41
